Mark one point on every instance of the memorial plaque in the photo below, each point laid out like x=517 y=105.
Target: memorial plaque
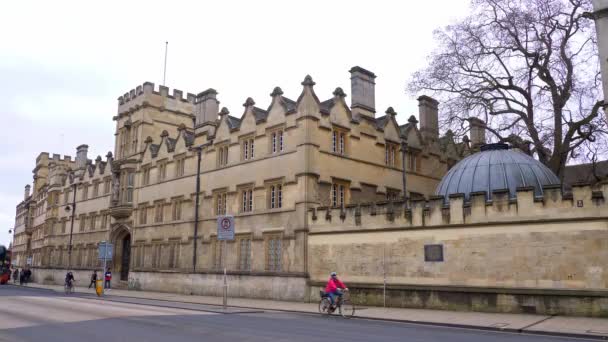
x=433 y=253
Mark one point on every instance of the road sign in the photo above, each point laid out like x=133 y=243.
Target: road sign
x=105 y=250
x=225 y=228
x=28 y=261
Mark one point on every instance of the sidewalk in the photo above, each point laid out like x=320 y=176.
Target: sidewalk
x=596 y=328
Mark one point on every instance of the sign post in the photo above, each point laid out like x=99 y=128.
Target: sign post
x=225 y=232
x=104 y=253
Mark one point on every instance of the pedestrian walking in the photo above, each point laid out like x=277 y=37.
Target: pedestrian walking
x=15 y=275
x=108 y=278
x=28 y=274
x=93 y=279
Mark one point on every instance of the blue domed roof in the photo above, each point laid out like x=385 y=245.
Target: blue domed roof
x=496 y=167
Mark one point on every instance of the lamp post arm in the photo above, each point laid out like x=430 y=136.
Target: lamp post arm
x=72 y=227
x=199 y=151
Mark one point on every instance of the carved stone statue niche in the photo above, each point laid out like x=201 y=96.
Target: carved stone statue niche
x=115 y=187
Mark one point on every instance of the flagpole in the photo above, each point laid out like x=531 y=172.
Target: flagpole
x=165 y=68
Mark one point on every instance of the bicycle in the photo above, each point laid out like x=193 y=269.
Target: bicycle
x=68 y=287
x=344 y=305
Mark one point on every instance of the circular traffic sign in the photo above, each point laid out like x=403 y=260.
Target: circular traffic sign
x=225 y=223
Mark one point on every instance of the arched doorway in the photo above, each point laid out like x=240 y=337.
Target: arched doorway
x=125 y=258
x=121 y=238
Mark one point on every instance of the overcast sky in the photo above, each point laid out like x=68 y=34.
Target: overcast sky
x=63 y=64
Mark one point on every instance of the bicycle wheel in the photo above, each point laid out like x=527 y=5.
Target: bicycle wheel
x=347 y=309
x=324 y=305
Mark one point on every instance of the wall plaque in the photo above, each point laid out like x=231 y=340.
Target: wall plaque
x=433 y=253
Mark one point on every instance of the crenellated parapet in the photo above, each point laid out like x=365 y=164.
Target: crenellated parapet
x=584 y=202
x=161 y=98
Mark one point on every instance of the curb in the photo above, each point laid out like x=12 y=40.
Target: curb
x=261 y=310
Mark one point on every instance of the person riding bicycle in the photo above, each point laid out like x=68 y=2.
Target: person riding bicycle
x=334 y=288
x=69 y=279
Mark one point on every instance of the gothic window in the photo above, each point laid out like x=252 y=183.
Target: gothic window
x=85 y=191
x=414 y=161
x=244 y=253
x=390 y=154
x=275 y=196
x=247 y=200
x=104 y=221
x=338 y=194
x=93 y=218
x=247 y=149
x=95 y=189
x=273 y=253
x=81 y=222
x=127 y=183
x=143 y=214
x=222 y=155
x=106 y=185
x=158 y=213
x=276 y=141
x=392 y=195
x=177 y=210
x=162 y=171
x=218 y=250
x=220 y=203
x=338 y=141
x=145 y=179
x=180 y=167
x=134 y=141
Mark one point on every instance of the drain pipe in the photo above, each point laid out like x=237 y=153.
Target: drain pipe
x=199 y=150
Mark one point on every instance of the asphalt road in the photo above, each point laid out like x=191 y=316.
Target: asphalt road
x=28 y=314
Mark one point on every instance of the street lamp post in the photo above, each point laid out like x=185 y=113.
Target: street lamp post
x=199 y=151
x=73 y=209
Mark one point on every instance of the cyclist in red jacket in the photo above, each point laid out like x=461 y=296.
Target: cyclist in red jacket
x=334 y=288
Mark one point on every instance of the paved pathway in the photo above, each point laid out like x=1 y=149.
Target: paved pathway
x=569 y=326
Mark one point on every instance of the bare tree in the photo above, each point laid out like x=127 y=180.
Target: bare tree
x=529 y=68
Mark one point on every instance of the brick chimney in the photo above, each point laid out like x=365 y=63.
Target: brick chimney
x=26 y=194
x=363 y=93
x=428 y=114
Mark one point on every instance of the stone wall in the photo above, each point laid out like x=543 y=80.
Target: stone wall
x=278 y=287
x=541 y=248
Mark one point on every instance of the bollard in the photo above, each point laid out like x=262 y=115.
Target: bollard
x=225 y=299
x=99 y=287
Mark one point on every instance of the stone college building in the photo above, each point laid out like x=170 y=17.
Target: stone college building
x=317 y=186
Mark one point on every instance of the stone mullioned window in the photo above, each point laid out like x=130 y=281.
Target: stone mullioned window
x=244 y=252
x=275 y=196
x=222 y=155
x=220 y=203
x=247 y=200
x=247 y=149
x=274 y=250
x=390 y=154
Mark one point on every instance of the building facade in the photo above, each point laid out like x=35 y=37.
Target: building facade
x=266 y=167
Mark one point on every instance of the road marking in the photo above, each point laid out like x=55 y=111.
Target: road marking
x=24 y=311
